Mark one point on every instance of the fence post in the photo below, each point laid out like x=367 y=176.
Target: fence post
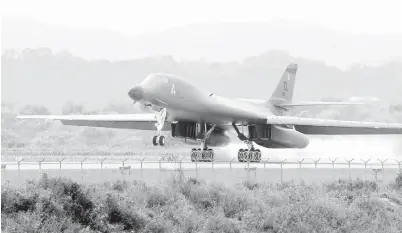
x=365 y=162
x=300 y=162
x=333 y=161
x=102 y=162
x=231 y=163
x=142 y=160
x=40 y=163
x=181 y=161
x=399 y=164
x=82 y=161
x=61 y=162
x=382 y=164
x=365 y=166
x=282 y=170
x=316 y=161
x=124 y=160
x=349 y=162
x=265 y=162
x=160 y=164
x=19 y=163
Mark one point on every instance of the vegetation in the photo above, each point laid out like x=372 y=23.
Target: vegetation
x=61 y=205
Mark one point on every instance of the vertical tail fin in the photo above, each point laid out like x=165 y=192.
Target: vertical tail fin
x=284 y=90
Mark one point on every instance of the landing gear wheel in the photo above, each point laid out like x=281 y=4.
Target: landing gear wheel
x=202 y=155
x=199 y=155
x=211 y=155
x=193 y=155
x=246 y=156
x=258 y=155
x=240 y=155
x=162 y=140
x=155 y=140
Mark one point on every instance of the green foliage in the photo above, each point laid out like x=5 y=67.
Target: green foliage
x=398 y=181
x=118 y=215
x=61 y=205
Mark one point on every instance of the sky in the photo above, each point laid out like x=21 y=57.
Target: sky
x=136 y=17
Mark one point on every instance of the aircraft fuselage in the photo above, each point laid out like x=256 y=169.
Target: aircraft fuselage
x=186 y=102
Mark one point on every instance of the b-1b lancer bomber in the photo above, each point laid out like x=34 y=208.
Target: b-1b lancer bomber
x=200 y=116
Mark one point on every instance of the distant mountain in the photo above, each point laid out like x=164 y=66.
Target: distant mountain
x=43 y=77
x=219 y=42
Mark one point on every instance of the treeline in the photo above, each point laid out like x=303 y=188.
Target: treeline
x=41 y=76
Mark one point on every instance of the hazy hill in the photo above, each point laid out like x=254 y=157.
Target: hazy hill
x=40 y=76
x=214 y=42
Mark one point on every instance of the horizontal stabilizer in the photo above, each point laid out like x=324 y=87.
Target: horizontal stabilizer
x=313 y=104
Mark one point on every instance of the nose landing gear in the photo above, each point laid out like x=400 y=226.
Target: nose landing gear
x=160 y=121
x=159 y=140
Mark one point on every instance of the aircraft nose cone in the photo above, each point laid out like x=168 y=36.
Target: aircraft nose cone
x=136 y=93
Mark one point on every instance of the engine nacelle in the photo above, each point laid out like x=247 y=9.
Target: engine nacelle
x=274 y=136
x=193 y=131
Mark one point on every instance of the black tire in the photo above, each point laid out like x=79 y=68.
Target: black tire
x=245 y=155
x=240 y=155
x=192 y=156
x=155 y=140
x=258 y=155
x=162 y=140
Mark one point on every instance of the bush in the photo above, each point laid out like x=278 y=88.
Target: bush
x=61 y=205
x=234 y=205
x=156 y=199
x=221 y=224
x=14 y=202
x=398 y=181
x=117 y=215
x=119 y=185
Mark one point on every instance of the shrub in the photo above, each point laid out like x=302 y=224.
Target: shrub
x=119 y=185
x=14 y=202
x=250 y=185
x=398 y=181
x=158 y=226
x=115 y=215
x=219 y=223
x=156 y=199
x=234 y=205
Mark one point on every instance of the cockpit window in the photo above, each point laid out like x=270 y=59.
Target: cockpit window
x=164 y=79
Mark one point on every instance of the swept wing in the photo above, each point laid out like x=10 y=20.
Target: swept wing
x=122 y=121
x=334 y=127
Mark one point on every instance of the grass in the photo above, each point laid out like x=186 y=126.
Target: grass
x=53 y=204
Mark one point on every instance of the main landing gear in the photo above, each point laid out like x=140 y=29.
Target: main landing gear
x=205 y=154
x=250 y=154
x=160 y=121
